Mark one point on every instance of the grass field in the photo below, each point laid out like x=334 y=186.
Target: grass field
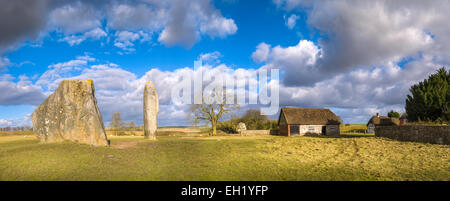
x=224 y=158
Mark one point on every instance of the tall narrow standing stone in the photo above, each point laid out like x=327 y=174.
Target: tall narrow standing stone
x=150 y=110
x=70 y=113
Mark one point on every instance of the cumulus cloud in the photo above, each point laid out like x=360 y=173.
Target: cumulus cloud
x=56 y=72
x=75 y=18
x=373 y=33
x=367 y=91
x=19 y=93
x=190 y=19
x=125 y=39
x=177 y=22
x=124 y=16
x=372 y=53
x=297 y=63
x=262 y=53
x=76 y=39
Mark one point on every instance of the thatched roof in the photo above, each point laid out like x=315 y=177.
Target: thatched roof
x=309 y=116
x=404 y=116
x=383 y=120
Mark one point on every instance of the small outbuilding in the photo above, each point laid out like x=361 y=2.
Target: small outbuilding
x=378 y=120
x=403 y=118
x=304 y=121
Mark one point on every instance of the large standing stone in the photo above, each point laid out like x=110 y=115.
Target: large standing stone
x=150 y=110
x=70 y=113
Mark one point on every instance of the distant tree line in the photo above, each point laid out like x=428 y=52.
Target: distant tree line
x=118 y=126
x=17 y=128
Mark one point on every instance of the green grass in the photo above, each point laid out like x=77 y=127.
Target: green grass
x=351 y=127
x=225 y=158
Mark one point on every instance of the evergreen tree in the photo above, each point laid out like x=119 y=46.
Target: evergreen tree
x=430 y=99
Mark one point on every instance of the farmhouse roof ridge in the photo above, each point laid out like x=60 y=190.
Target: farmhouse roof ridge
x=309 y=116
x=383 y=120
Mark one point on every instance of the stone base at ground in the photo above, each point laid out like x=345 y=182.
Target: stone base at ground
x=71 y=114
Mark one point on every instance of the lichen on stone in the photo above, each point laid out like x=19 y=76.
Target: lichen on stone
x=89 y=81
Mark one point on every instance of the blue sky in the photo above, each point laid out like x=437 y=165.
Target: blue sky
x=257 y=21
x=357 y=58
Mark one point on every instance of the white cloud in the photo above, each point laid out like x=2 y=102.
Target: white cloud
x=218 y=26
x=75 y=18
x=123 y=16
x=177 y=22
x=125 y=39
x=211 y=57
x=3 y=63
x=297 y=63
x=373 y=33
x=291 y=21
x=76 y=39
x=22 y=92
x=49 y=79
x=5 y=123
x=188 y=20
x=262 y=53
x=13 y=122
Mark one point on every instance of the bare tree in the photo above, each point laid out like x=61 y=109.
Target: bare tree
x=116 y=122
x=213 y=109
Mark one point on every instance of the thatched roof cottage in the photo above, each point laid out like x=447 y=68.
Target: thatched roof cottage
x=378 y=120
x=302 y=121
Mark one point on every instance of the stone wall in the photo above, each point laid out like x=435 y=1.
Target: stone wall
x=255 y=132
x=416 y=133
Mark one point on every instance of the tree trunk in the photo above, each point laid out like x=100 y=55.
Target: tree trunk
x=214 y=126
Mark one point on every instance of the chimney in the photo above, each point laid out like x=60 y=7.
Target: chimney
x=378 y=114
